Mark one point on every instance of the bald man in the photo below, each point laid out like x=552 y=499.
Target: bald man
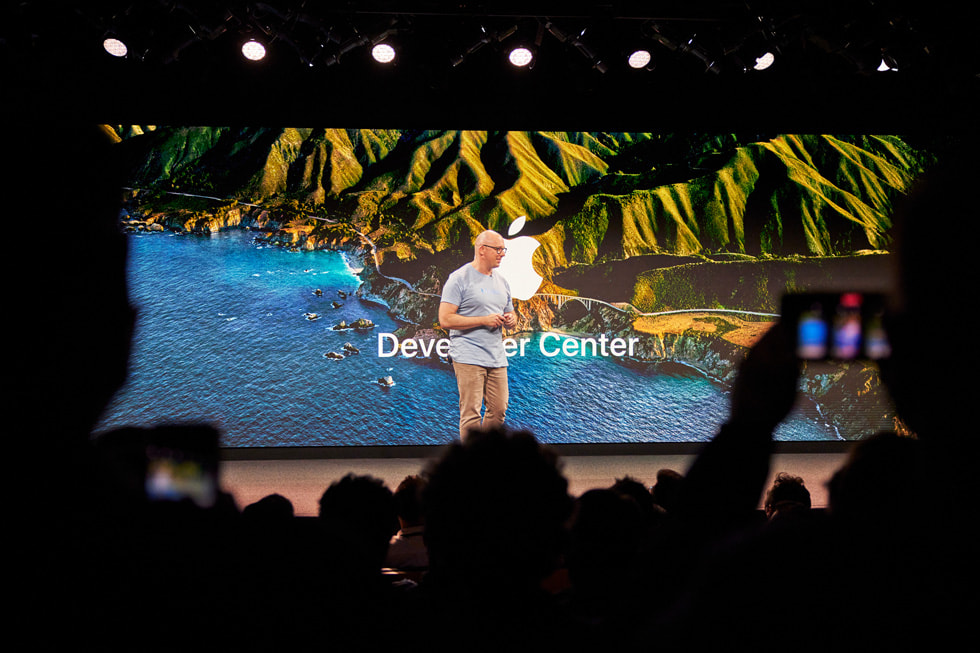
x=476 y=306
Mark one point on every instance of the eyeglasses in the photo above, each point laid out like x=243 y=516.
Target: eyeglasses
x=499 y=250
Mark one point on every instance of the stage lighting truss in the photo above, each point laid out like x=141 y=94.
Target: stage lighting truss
x=382 y=46
x=577 y=41
x=486 y=38
x=690 y=46
x=347 y=47
x=743 y=40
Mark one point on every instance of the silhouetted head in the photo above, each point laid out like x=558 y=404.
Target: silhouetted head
x=936 y=224
x=641 y=495
x=887 y=485
x=496 y=507
x=607 y=534
x=357 y=513
x=666 y=488
x=273 y=509
x=67 y=184
x=787 y=492
x=408 y=500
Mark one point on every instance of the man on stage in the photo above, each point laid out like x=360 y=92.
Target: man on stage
x=476 y=305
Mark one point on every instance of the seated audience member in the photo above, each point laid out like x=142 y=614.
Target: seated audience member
x=648 y=572
x=271 y=510
x=357 y=605
x=407 y=551
x=358 y=518
x=630 y=487
x=787 y=493
x=608 y=562
x=496 y=508
x=666 y=487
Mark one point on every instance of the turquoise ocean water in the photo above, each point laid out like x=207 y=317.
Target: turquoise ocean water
x=224 y=336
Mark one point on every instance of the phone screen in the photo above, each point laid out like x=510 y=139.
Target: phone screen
x=838 y=326
x=181 y=463
x=847 y=341
x=811 y=332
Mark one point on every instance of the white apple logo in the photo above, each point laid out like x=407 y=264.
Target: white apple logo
x=516 y=265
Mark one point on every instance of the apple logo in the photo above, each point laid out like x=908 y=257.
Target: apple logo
x=516 y=265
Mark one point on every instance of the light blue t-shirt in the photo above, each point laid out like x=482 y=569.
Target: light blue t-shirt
x=477 y=294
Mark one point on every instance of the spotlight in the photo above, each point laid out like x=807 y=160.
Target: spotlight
x=115 y=47
x=521 y=57
x=888 y=64
x=763 y=61
x=253 y=50
x=640 y=59
x=383 y=53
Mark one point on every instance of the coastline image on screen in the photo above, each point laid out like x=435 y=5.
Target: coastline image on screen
x=287 y=280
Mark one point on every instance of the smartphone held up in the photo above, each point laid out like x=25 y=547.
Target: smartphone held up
x=838 y=326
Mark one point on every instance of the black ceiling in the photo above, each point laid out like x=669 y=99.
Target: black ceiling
x=184 y=62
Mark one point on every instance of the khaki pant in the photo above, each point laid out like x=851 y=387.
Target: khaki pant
x=479 y=387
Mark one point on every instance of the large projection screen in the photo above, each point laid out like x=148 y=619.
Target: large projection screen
x=287 y=279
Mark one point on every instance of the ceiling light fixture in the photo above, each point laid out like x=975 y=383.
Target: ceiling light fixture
x=383 y=53
x=764 y=61
x=115 y=47
x=888 y=64
x=253 y=50
x=521 y=57
x=640 y=59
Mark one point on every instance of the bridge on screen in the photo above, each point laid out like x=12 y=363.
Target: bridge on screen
x=590 y=303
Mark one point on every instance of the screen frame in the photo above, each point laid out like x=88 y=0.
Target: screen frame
x=566 y=449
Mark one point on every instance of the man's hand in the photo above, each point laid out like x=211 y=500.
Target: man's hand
x=449 y=318
x=493 y=321
x=765 y=388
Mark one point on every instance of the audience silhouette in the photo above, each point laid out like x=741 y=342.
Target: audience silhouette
x=609 y=560
x=496 y=509
x=688 y=564
x=357 y=518
x=886 y=566
x=407 y=552
x=788 y=493
x=666 y=488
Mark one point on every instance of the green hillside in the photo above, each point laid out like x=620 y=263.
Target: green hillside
x=590 y=197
